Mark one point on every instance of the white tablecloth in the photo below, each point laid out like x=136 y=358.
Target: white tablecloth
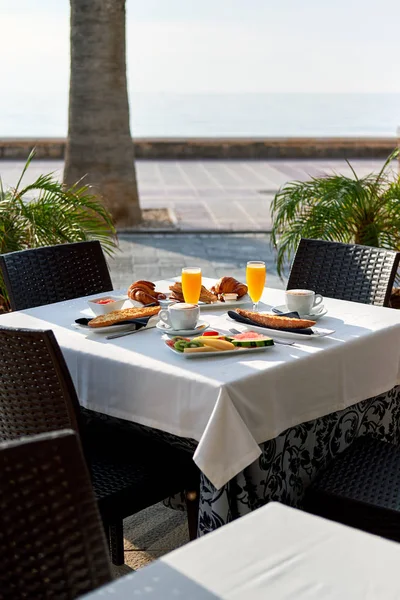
x=275 y=552
x=228 y=404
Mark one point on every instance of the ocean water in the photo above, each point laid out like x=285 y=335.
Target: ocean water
x=41 y=112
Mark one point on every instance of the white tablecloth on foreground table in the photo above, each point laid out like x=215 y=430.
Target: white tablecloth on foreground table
x=228 y=404
x=275 y=552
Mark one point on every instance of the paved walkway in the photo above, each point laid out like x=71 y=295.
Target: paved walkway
x=214 y=194
x=156 y=256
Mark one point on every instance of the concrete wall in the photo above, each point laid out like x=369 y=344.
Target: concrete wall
x=203 y=148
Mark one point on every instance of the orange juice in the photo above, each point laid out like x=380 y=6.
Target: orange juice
x=255 y=279
x=191 y=284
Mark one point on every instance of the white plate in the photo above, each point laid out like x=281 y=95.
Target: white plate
x=278 y=333
x=202 y=326
x=109 y=329
x=218 y=353
x=228 y=304
x=203 y=305
x=313 y=317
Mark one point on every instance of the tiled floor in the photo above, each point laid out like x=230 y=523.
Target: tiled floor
x=157 y=256
x=212 y=194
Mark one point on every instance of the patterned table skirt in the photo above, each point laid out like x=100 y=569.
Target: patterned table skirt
x=290 y=462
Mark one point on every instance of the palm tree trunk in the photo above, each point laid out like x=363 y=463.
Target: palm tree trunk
x=99 y=143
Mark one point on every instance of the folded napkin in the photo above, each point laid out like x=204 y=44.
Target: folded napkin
x=292 y=315
x=140 y=322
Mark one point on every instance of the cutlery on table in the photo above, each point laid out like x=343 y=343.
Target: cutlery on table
x=149 y=325
x=283 y=343
x=114 y=336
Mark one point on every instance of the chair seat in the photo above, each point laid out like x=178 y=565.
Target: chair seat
x=361 y=488
x=134 y=472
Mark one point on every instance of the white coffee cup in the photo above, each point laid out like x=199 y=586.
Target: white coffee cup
x=303 y=301
x=180 y=315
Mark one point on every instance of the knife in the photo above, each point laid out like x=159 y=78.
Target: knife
x=152 y=322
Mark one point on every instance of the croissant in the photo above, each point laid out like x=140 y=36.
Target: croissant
x=205 y=295
x=145 y=292
x=143 y=297
x=145 y=286
x=148 y=284
x=229 y=285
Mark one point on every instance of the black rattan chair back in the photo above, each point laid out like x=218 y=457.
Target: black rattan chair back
x=37 y=394
x=54 y=273
x=52 y=544
x=345 y=271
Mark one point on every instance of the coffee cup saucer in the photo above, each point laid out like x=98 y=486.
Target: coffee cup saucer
x=317 y=313
x=200 y=327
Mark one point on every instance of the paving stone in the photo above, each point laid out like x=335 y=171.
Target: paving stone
x=211 y=194
x=217 y=255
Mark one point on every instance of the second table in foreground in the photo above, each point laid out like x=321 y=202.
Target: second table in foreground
x=231 y=404
x=276 y=552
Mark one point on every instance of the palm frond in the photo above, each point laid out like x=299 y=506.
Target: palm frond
x=339 y=208
x=46 y=213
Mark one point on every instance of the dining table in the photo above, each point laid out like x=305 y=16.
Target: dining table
x=276 y=552
x=260 y=425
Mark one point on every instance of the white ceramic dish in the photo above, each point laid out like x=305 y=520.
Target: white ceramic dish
x=109 y=329
x=313 y=317
x=201 y=326
x=278 y=333
x=227 y=305
x=104 y=309
x=239 y=351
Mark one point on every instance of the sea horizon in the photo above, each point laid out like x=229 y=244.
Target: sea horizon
x=41 y=113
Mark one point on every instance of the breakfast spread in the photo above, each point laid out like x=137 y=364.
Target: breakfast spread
x=229 y=288
x=116 y=316
x=219 y=343
x=226 y=289
x=275 y=321
x=145 y=292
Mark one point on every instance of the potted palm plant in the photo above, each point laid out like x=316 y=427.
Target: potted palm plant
x=338 y=208
x=45 y=212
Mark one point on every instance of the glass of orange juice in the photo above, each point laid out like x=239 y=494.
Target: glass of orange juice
x=255 y=279
x=191 y=284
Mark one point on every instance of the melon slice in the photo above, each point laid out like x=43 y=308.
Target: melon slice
x=251 y=339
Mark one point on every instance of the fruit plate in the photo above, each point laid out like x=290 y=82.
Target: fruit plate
x=239 y=351
x=318 y=332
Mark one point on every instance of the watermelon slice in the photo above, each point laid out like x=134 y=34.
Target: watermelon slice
x=251 y=339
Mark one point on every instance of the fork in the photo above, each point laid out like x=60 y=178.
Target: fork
x=275 y=340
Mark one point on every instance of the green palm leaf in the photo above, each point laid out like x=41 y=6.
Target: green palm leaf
x=337 y=208
x=46 y=213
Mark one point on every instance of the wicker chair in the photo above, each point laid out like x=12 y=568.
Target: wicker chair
x=52 y=544
x=361 y=488
x=345 y=271
x=129 y=473
x=54 y=273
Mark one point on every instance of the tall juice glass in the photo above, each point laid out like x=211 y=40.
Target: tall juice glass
x=191 y=284
x=255 y=279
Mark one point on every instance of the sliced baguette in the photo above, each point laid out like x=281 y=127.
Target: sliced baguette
x=116 y=316
x=275 y=321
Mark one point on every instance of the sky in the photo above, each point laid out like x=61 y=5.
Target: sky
x=217 y=46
